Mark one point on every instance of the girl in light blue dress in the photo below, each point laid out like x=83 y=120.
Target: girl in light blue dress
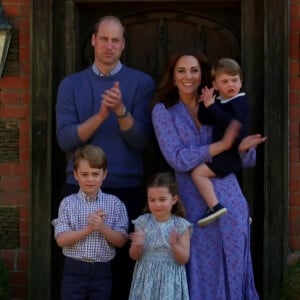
x=161 y=244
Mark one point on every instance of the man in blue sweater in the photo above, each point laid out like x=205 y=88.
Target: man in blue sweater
x=107 y=105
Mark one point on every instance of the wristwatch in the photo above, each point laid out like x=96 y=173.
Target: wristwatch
x=124 y=114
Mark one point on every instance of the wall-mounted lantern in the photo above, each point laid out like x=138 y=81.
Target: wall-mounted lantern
x=5 y=37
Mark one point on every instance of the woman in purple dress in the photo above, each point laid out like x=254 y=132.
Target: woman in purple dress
x=220 y=266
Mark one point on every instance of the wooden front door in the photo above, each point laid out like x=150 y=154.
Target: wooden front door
x=152 y=34
x=151 y=37
x=252 y=31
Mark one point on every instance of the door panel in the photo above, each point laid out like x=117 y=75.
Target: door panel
x=152 y=34
x=150 y=38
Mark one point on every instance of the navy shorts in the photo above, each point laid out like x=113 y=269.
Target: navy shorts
x=86 y=280
x=225 y=163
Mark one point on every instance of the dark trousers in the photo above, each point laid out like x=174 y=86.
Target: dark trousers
x=134 y=199
x=86 y=281
x=225 y=163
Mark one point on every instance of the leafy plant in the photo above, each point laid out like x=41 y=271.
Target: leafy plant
x=291 y=282
x=4 y=282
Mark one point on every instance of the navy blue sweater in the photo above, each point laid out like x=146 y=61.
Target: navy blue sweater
x=79 y=98
x=221 y=114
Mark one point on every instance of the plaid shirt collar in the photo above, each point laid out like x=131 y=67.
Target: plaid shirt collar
x=85 y=197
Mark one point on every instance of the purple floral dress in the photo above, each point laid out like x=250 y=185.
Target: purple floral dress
x=220 y=266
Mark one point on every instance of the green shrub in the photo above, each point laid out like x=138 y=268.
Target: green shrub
x=4 y=289
x=291 y=282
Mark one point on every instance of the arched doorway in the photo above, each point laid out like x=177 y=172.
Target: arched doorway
x=151 y=36
x=57 y=48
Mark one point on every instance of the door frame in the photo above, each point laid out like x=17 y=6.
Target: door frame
x=265 y=60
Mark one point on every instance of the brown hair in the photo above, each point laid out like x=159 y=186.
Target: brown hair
x=94 y=155
x=108 y=18
x=167 y=92
x=226 y=65
x=168 y=181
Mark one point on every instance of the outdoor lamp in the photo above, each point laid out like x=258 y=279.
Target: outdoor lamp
x=5 y=37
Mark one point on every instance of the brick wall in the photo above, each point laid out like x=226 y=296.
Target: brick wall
x=294 y=131
x=15 y=151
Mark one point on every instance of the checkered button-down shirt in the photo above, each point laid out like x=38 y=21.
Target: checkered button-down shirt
x=73 y=215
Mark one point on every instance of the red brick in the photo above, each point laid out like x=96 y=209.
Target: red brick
x=24 y=141
x=294 y=186
x=24 y=39
x=295 y=24
x=294 y=214
x=20 y=169
x=294 y=228
x=24 y=54
x=13 y=197
x=295 y=170
x=295 y=83
x=9 y=169
x=22 y=23
x=294 y=38
x=14 y=111
x=25 y=11
x=294 y=142
x=14 y=83
x=24 y=241
x=5 y=169
x=24 y=68
x=294 y=155
x=294 y=127
x=10 y=97
x=9 y=257
x=19 y=1
x=12 y=10
x=18 y=277
x=294 y=68
x=22 y=260
x=24 y=212
x=18 y=292
x=24 y=227
x=295 y=199
x=25 y=97
x=294 y=10
x=25 y=127
x=294 y=52
x=294 y=98
x=17 y=183
x=24 y=154
x=295 y=113
x=294 y=243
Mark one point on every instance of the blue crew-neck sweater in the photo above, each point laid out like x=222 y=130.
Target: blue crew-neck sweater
x=79 y=98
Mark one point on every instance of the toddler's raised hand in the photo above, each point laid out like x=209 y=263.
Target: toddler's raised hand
x=207 y=96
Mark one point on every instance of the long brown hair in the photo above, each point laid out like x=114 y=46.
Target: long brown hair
x=167 y=92
x=167 y=180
